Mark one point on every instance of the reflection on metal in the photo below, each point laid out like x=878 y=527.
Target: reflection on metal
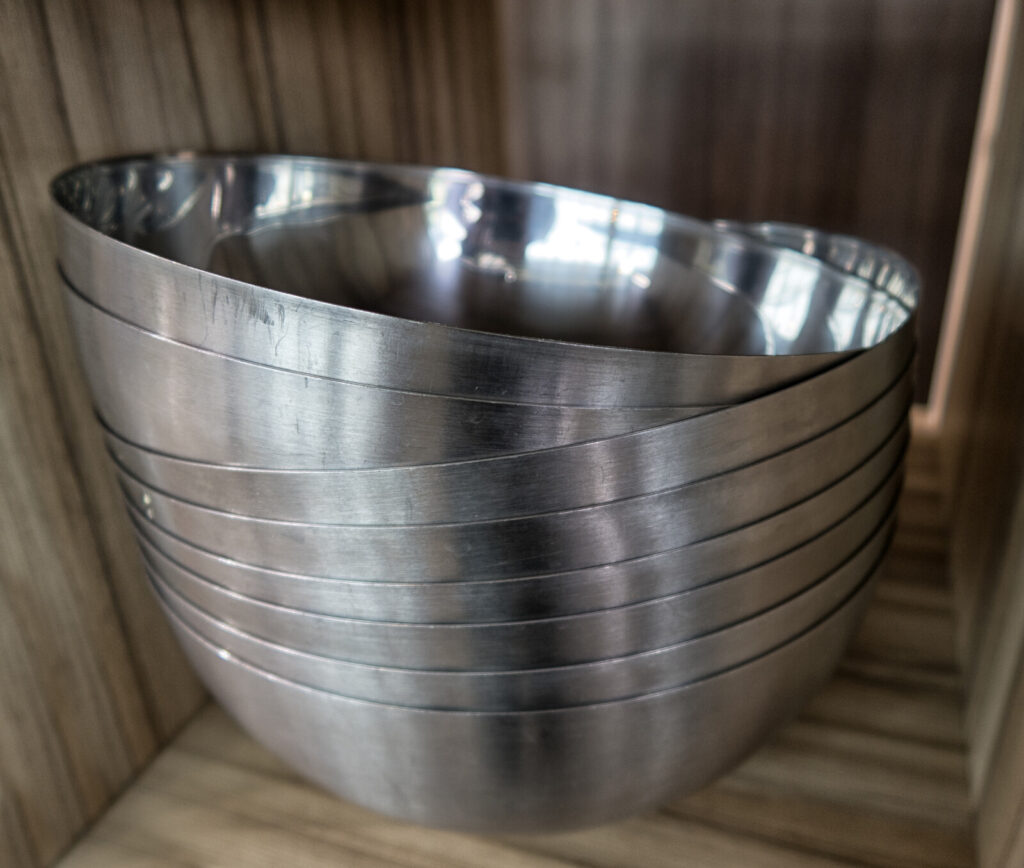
x=486 y=478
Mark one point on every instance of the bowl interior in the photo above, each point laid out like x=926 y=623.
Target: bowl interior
x=460 y=249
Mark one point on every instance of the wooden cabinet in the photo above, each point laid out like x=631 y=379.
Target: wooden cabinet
x=855 y=115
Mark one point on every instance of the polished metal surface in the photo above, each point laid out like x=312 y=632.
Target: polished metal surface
x=537 y=543
x=573 y=660
x=878 y=265
x=543 y=481
x=338 y=261
x=525 y=770
x=603 y=680
x=488 y=504
x=722 y=578
x=266 y=417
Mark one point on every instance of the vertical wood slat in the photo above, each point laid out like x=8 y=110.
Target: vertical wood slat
x=230 y=76
x=74 y=728
x=300 y=100
x=1001 y=809
x=16 y=850
x=74 y=722
x=993 y=481
x=852 y=116
x=36 y=142
x=979 y=418
x=982 y=436
x=1000 y=657
x=91 y=680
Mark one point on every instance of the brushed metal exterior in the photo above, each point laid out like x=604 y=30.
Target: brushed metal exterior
x=384 y=223
x=489 y=505
x=728 y=576
x=526 y=770
x=548 y=542
x=671 y=658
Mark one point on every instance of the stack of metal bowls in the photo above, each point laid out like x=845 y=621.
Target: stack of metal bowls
x=486 y=504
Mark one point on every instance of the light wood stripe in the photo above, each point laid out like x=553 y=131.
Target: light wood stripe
x=16 y=850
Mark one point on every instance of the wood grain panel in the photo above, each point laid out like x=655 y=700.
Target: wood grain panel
x=1001 y=808
x=73 y=727
x=996 y=708
x=16 y=851
x=36 y=141
x=853 y=116
x=91 y=680
x=982 y=440
x=985 y=418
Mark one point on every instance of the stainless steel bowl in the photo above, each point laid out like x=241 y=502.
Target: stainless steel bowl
x=490 y=505
x=525 y=771
x=878 y=265
x=267 y=417
x=773 y=557
x=672 y=655
x=569 y=477
x=538 y=543
x=544 y=481
x=335 y=255
x=501 y=645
